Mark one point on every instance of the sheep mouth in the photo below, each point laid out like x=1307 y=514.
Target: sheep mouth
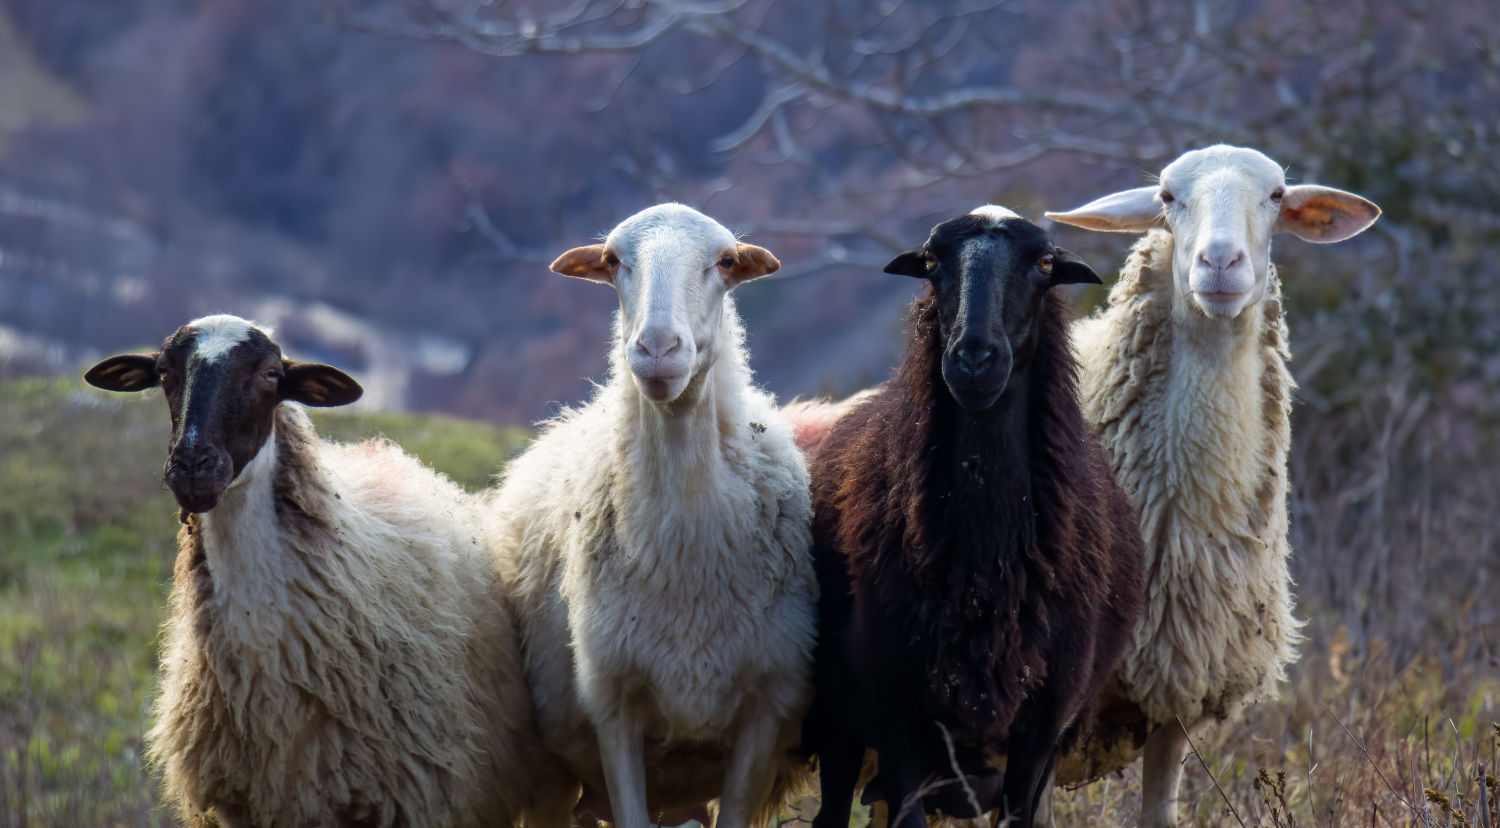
x=196 y=500
x=660 y=388
x=1221 y=302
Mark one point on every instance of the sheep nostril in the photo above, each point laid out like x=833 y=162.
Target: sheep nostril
x=658 y=346
x=974 y=358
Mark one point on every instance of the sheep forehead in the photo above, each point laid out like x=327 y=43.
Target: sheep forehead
x=993 y=213
x=1222 y=167
x=218 y=334
x=669 y=228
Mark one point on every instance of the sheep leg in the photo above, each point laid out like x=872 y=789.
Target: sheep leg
x=622 y=752
x=747 y=781
x=899 y=771
x=1161 y=774
x=838 y=775
x=1031 y=752
x=1044 y=803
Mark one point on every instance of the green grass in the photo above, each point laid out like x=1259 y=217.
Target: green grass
x=86 y=549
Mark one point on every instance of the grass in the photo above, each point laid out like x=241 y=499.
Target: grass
x=1387 y=720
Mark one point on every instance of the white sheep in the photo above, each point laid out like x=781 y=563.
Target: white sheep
x=1185 y=376
x=657 y=544
x=338 y=651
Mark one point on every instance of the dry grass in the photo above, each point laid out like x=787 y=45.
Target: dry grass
x=1389 y=718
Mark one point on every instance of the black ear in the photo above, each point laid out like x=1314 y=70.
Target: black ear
x=311 y=383
x=1068 y=269
x=910 y=263
x=126 y=372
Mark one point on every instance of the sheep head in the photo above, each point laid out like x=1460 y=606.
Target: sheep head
x=1223 y=204
x=672 y=267
x=223 y=378
x=990 y=271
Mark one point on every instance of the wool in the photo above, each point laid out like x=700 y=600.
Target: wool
x=339 y=650
x=1196 y=423
x=975 y=569
x=658 y=556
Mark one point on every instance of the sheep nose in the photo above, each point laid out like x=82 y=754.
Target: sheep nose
x=196 y=464
x=656 y=343
x=974 y=357
x=1221 y=255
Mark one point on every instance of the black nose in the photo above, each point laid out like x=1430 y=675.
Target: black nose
x=195 y=465
x=975 y=357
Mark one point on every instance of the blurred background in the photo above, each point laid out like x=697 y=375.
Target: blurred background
x=385 y=181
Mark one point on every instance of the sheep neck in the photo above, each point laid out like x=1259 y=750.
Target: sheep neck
x=677 y=449
x=1222 y=398
x=241 y=534
x=250 y=540
x=979 y=470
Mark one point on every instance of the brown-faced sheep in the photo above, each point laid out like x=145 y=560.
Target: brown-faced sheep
x=339 y=651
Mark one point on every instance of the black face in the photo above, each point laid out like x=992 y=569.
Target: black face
x=990 y=278
x=222 y=407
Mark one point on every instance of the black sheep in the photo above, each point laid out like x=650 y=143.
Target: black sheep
x=980 y=568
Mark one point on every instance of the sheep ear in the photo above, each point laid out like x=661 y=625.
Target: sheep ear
x=752 y=262
x=911 y=263
x=590 y=262
x=311 y=383
x=1130 y=211
x=1324 y=215
x=126 y=372
x=1068 y=269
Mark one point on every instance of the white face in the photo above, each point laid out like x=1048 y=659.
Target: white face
x=675 y=267
x=1221 y=205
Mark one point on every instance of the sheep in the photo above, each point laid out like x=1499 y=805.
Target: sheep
x=657 y=543
x=979 y=567
x=338 y=652
x=1184 y=375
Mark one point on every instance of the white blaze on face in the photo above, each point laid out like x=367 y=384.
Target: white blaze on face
x=994 y=213
x=218 y=334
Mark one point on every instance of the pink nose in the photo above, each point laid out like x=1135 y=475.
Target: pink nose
x=1221 y=255
x=657 y=343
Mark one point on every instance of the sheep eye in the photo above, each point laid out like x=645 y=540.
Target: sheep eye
x=727 y=262
x=1277 y=194
x=1166 y=196
x=1046 y=263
